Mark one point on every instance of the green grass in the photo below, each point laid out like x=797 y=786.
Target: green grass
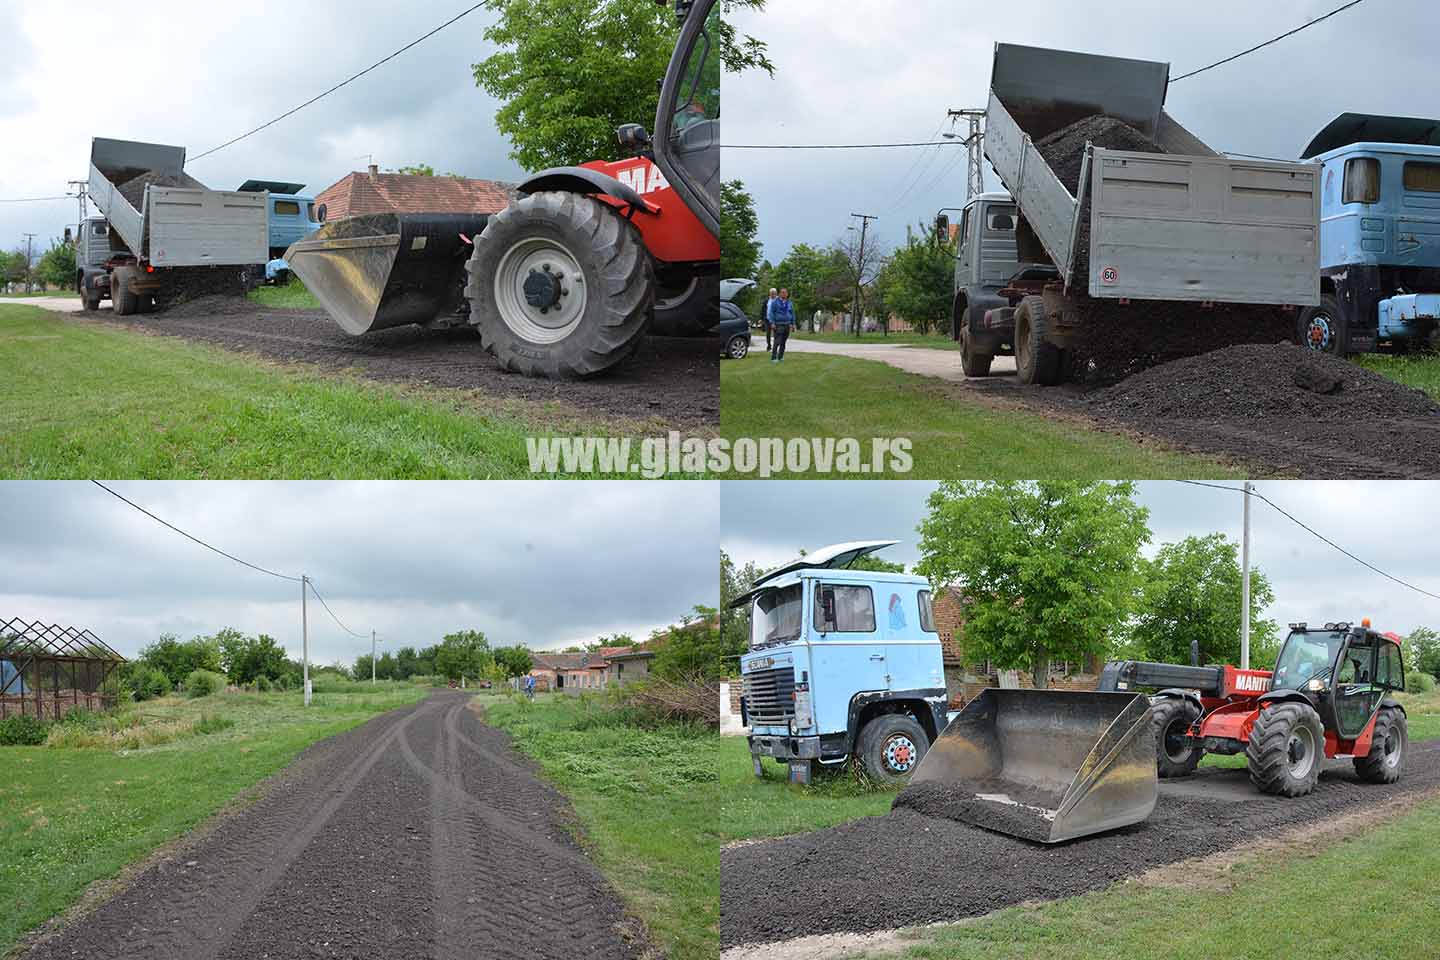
x=952 y=434
x=40 y=293
x=931 y=340
x=750 y=807
x=292 y=296
x=1366 y=895
x=100 y=401
x=1419 y=370
x=646 y=803
x=70 y=815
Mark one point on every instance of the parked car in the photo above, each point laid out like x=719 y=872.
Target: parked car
x=734 y=331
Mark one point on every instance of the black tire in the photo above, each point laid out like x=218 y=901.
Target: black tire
x=1037 y=361
x=738 y=347
x=1323 y=328
x=90 y=302
x=1176 y=755
x=121 y=296
x=1286 y=749
x=972 y=362
x=1388 y=746
x=689 y=309
x=556 y=228
x=891 y=746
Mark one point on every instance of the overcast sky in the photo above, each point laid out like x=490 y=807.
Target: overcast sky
x=198 y=74
x=887 y=70
x=1389 y=524
x=544 y=563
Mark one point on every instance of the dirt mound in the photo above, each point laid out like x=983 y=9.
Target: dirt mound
x=1255 y=381
x=1021 y=817
x=134 y=190
x=1064 y=149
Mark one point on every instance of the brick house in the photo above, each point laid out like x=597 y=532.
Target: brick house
x=628 y=664
x=556 y=671
x=376 y=192
x=575 y=672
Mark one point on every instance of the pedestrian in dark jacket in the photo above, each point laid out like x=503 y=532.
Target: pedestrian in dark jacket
x=782 y=318
x=765 y=315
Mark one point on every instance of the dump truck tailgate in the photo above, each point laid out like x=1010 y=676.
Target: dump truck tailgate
x=198 y=227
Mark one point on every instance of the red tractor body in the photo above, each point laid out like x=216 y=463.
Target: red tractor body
x=672 y=232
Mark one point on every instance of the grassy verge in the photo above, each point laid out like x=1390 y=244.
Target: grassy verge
x=291 y=296
x=753 y=808
x=105 y=402
x=40 y=293
x=80 y=810
x=646 y=801
x=952 y=436
x=933 y=341
x=1418 y=370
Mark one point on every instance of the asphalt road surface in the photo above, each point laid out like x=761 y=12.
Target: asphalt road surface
x=420 y=834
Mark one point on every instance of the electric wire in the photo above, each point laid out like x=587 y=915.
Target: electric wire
x=1261 y=46
x=332 y=612
x=835 y=146
x=36 y=199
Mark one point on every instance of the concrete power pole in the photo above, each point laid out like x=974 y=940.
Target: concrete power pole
x=1245 y=582
x=857 y=316
x=305 y=635
x=29 y=284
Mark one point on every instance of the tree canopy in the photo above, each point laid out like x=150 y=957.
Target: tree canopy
x=739 y=250
x=918 y=279
x=57 y=265
x=739 y=53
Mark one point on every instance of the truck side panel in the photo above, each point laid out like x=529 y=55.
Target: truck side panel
x=124 y=219
x=1166 y=227
x=1046 y=204
x=199 y=227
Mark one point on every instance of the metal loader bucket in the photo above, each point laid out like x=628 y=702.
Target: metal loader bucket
x=1046 y=765
x=383 y=270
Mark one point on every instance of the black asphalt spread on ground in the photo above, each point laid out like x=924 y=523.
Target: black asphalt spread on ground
x=420 y=834
x=676 y=380
x=906 y=868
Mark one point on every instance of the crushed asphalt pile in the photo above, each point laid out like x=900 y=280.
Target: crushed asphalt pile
x=1023 y=817
x=133 y=190
x=1064 y=149
x=906 y=868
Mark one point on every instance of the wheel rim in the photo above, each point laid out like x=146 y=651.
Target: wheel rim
x=667 y=301
x=739 y=346
x=1022 y=342
x=900 y=753
x=1176 y=747
x=1392 y=750
x=540 y=290
x=1301 y=752
x=1320 y=332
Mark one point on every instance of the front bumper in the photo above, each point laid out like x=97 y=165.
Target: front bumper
x=784 y=747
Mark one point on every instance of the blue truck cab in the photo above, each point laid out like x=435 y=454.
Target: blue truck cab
x=841 y=663
x=1379 y=234
x=292 y=218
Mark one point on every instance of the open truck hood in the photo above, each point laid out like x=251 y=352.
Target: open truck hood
x=835 y=555
x=1351 y=128
x=271 y=186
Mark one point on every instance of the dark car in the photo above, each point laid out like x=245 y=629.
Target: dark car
x=734 y=331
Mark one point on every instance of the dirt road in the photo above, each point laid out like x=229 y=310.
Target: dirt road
x=925 y=361
x=420 y=834
x=903 y=869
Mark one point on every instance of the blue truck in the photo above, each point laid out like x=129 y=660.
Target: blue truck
x=292 y=218
x=1379 y=234
x=841 y=662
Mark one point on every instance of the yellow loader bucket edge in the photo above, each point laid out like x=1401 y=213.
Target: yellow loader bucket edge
x=1045 y=765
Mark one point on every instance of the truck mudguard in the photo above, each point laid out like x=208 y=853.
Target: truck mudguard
x=933 y=723
x=582 y=180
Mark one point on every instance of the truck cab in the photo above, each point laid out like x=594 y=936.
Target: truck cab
x=291 y=218
x=93 y=247
x=981 y=319
x=1379 y=234
x=841 y=663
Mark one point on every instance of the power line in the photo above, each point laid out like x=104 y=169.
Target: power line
x=1315 y=533
x=1258 y=46
x=332 y=612
x=37 y=199
x=836 y=146
x=228 y=556
x=342 y=83
x=918 y=168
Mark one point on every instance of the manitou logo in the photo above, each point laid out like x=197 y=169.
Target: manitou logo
x=1251 y=682
x=643 y=178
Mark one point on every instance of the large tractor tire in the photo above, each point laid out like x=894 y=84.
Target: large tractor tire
x=560 y=286
x=1388 y=746
x=1037 y=361
x=972 y=361
x=125 y=300
x=890 y=747
x=1323 y=328
x=1176 y=755
x=687 y=309
x=1286 y=749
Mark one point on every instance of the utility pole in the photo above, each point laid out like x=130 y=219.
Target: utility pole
x=80 y=187
x=975 y=175
x=1245 y=582
x=865 y=219
x=29 y=285
x=372 y=658
x=305 y=634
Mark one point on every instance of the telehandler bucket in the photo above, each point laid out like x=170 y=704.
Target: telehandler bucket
x=383 y=270
x=1046 y=765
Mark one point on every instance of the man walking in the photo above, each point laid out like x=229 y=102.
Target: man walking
x=782 y=318
x=765 y=315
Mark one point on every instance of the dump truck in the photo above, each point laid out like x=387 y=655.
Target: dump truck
x=1329 y=696
x=1379 y=234
x=1129 y=257
x=167 y=233
x=569 y=279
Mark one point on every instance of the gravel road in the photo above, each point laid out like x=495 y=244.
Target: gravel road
x=420 y=834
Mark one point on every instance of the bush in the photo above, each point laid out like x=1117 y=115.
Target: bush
x=203 y=683
x=1417 y=681
x=263 y=684
x=24 y=731
x=213 y=723
x=150 y=684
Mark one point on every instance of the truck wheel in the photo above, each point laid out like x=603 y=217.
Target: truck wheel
x=121 y=296
x=1323 y=328
x=890 y=747
x=1037 y=361
x=688 y=308
x=90 y=301
x=1175 y=754
x=972 y=362
x=1386 y=760
x=1286 y=749
x=560 y=285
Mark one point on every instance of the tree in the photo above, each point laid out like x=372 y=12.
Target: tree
x=876 y=564
x=423 y=170
x=14 y=267
x=1422 y=651
x=734 y=623
x=618 y=640
x=569 y=72
x=177 y=659
x=57 y=265
x=692 y=651
x=513 y=661
x=742 y=53
x=918 y=280
x=464 y=653
x=1047 y=568
x=863 y=255
x=739 y=251
x=815 y=276
x=246 y=659
x=1191 y=591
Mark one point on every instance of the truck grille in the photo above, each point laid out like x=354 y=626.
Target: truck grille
x=770 y=695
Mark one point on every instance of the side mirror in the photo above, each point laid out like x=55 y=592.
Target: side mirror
x=69 y=237
x=633 y=136
x=942 y=228
x=320 y=213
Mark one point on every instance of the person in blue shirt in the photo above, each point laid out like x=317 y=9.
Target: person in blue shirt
x=782 y=318
x=530 y=686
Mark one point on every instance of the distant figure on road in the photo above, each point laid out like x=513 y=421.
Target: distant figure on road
x=765 y=314
x=782 y=318
x=530 y=686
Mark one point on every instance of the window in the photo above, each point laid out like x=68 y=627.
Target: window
x=1362 y=180
x=776 y=617
x=844 y=609
x=1391 y=670
x=1422 y=177
x=927 y=616
x=287 y=208
x=965 y=226
x=1001 y=219
x=101 y=229
x=698 y=95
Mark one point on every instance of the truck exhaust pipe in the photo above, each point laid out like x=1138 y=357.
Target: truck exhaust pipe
x=1044 y=765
